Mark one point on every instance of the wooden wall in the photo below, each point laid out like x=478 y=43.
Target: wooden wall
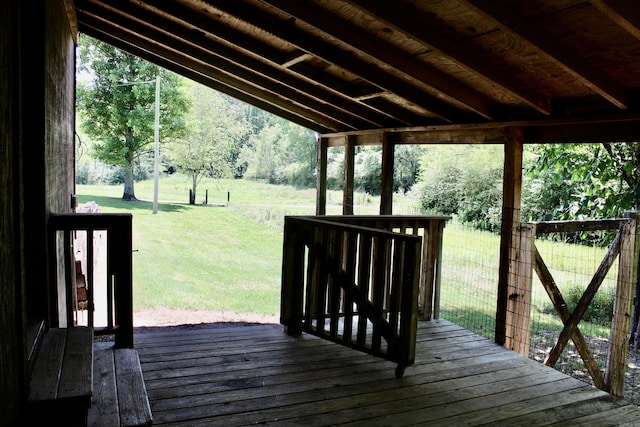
x=36 y=173
x=10 y=271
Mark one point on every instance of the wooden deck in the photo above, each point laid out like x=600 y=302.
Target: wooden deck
x=257 y=375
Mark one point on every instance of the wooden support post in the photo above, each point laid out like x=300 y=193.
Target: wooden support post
x=518 y=319
x=511 y=192
x=347 y=190
x=321 y=181
x=621 y=322
x=386 y=187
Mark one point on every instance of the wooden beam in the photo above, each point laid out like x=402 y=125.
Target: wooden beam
x=609 y=128
x=566 y=58
x=295 y=58
x=625 y=13
x=511 y=199
x=220 y=81
x=249 y=75
x=73 y=21
x=320 y=48
x=413 y=23
x=388 y=54
x=386 y=186
x=349 y=174
x=328 y=91
x=321 y=179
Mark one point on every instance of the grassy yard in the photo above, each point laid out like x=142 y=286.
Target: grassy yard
x=225 y=256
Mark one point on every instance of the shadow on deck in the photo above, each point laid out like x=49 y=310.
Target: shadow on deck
x=235 y=374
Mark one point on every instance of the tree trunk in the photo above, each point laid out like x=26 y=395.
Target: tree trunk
x=193 y=189
x=129 y=193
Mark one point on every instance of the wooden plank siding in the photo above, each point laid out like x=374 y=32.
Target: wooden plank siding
x=233 y=375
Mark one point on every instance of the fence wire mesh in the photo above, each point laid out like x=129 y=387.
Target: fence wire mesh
x=469 y=294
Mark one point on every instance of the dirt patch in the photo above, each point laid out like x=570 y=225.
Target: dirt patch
x=174 y=317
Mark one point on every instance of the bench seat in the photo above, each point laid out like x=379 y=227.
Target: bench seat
x=60 y=387
x=119 y=394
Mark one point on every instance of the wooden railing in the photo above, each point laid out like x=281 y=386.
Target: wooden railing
x=118 y=289
x=528 y=259
x=354 y=285
x=431 y=229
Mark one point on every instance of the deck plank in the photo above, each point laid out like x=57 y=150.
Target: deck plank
x=104 y=402
x=256 y=374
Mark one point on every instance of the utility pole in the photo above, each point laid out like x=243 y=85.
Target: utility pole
x=156 y=137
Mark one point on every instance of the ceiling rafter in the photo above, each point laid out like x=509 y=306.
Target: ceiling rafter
x=625 y=13
x=203 y=78
x=411 y=22
x=122 y=39
x=353 y=66
x=564 y=57
x=328 y=52
x=341 y=100
x=386 y=53
x=228 y=67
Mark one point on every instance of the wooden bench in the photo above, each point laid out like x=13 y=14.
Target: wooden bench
x=119 y=394
x=60 y=386
x=76 y=382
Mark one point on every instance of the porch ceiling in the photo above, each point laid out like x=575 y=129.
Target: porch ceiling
x=460 y=70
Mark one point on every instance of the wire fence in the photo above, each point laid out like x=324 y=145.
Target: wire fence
x=469 y=294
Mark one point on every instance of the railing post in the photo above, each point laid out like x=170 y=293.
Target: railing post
x=409 y=319
x=292 y=279
x=619 y=339
x=120 y=261
x=431 y=269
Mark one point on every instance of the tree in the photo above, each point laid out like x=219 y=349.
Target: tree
x=116 y=108
x=280 y=152
x=463 y=180
x=406 y=166
x=604 y=178
x=217 y=129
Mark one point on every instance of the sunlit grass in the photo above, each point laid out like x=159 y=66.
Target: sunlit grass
x=227 y=255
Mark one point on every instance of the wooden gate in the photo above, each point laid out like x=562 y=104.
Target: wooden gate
x=528 y=259
x=354 y=285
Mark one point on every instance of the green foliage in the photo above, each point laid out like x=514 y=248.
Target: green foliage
x=463 y=180
x=116 y=107
x=368 y=169
x=579 y=181
x=600 y=311
x=406 y=167
x=590 y=180
x=217 y=130
x=280 y=153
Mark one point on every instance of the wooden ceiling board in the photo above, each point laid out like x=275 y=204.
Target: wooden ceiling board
x=362 y=65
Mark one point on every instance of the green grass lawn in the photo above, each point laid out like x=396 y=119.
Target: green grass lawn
x=229 y=258
x=226 y=256
x=197 y=257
